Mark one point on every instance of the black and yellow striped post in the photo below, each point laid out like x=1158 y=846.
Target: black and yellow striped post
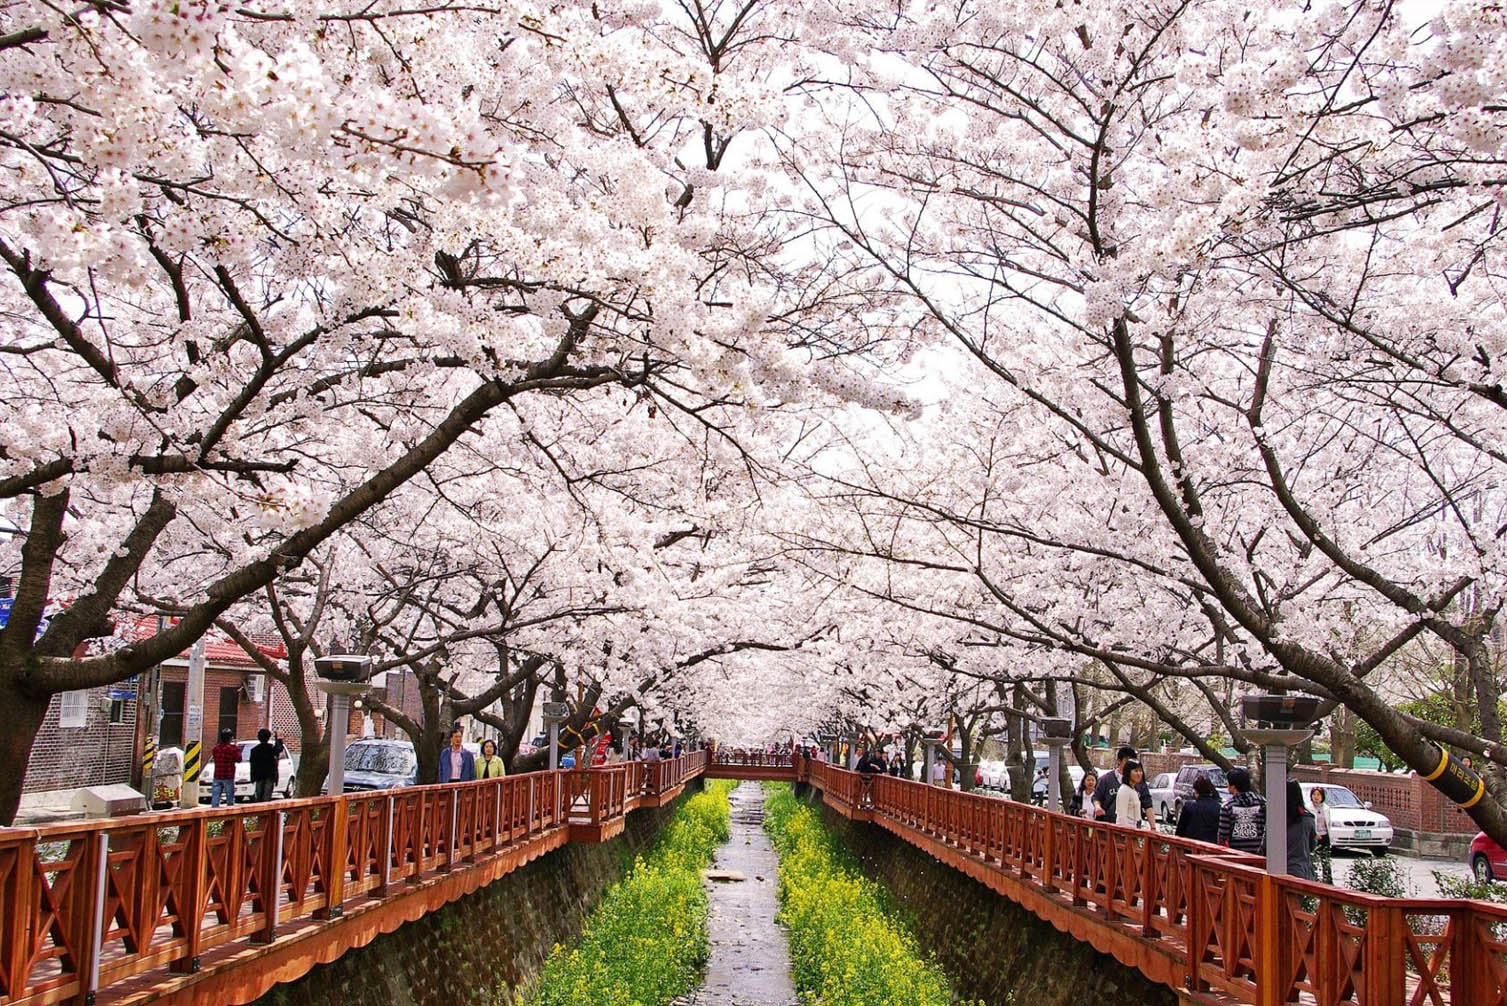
x=148 y=759
x=191 y=761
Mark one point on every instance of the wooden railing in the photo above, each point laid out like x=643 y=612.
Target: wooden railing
x=89 y=905
x=753 y=759
x=1200 y=918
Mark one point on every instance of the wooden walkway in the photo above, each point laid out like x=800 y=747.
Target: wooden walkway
x=1207 y=922
x=215 y=906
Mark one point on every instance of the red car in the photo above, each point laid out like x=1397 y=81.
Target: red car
x=1488 y=861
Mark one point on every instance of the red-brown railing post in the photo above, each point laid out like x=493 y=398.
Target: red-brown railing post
x=19 y=919
x=1267 y=947
x=195 y=879
x=337 y=850
x=1385 y=958
x=1049 y=855
x=1469 y=977
x=1148 y=887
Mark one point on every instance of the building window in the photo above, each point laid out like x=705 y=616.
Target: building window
x=117 y=711
x=230 y=709
x=170 y=726
x=73 y=710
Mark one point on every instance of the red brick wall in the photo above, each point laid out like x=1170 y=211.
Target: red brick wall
x=1409 y=801
x=96 y=754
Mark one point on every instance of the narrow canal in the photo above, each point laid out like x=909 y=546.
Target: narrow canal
x=749 y=962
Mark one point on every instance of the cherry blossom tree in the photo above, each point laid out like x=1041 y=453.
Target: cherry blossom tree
x=1228 y=283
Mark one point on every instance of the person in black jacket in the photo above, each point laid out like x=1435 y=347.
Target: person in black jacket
x=1199 y=819
x=264 y=757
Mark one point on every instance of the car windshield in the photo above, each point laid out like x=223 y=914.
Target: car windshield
x=1216 y=776
x=383 y=759
x=1337 y=796
x=246 y=747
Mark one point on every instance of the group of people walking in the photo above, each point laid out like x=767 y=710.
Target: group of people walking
x=1239 y=821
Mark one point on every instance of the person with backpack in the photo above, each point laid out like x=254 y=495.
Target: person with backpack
x=1242 y=820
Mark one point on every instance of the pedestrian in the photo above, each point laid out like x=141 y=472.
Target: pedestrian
x=1199 y=817
x=225 y=756
x=871 y=763
x=489 y=766
x=264 y=757
x=456 y=763
x=1082 y=804
x=1109 y=786
x=651 y=752
x=1302 y=835
x=1323 y=853
x=677 y=749
x=939 y=771
x=1242 y=820
x=1128 y=809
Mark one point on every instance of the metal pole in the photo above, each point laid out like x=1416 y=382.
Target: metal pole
x=1276 y=809
x=339 y=720
x=193 y=726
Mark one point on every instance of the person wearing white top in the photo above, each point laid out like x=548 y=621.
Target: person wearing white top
x=1128 y=810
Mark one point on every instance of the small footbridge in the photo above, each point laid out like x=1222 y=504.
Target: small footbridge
x=215 y=906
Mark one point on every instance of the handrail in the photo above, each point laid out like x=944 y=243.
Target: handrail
x=1221 y=924
x=88 y=905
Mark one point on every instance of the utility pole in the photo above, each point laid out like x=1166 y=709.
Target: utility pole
x=148 y=704
x=193 y=726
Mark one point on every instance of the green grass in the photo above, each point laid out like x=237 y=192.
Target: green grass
x=646 y=942
x=847 y=946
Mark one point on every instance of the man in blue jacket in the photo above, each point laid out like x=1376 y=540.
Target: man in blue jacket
x=456 y=763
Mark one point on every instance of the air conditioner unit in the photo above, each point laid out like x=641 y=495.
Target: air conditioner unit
x=256 y=688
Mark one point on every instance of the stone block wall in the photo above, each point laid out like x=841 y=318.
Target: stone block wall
x=992 y=949
x=483 y=949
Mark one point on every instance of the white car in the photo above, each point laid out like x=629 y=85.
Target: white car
x=995 y=775
x=1163 y=797
x=1352 y=824
x=243 y=788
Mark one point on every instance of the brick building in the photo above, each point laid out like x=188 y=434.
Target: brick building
x=91 y=737
x=87 y=739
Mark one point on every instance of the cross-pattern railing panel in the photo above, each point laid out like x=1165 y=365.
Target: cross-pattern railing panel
x=85 y=906
x=1237 y=932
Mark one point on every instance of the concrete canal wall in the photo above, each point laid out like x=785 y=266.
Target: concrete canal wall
x=483 y=949
x=991 y=948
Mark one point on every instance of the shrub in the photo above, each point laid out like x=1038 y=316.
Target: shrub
x=846 y=947
x=1382 y=877
x=1469 y=887
x=646 y=942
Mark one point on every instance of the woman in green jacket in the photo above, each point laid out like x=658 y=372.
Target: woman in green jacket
x=489 y=766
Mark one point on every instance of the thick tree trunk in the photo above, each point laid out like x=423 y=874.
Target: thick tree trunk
x=314 y=741
x=21 y=716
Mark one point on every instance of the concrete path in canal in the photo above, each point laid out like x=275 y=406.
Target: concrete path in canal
x=750 y=956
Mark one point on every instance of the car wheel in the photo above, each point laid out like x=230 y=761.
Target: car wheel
x=1481 y=867
x=1166 y=816
x=1381 y=850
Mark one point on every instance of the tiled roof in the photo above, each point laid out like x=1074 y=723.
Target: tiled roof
x=219 y=649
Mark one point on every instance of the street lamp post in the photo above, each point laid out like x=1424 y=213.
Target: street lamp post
x=1054 y=733
x=1282 y=722
x=555 y=713
x=341 y=677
